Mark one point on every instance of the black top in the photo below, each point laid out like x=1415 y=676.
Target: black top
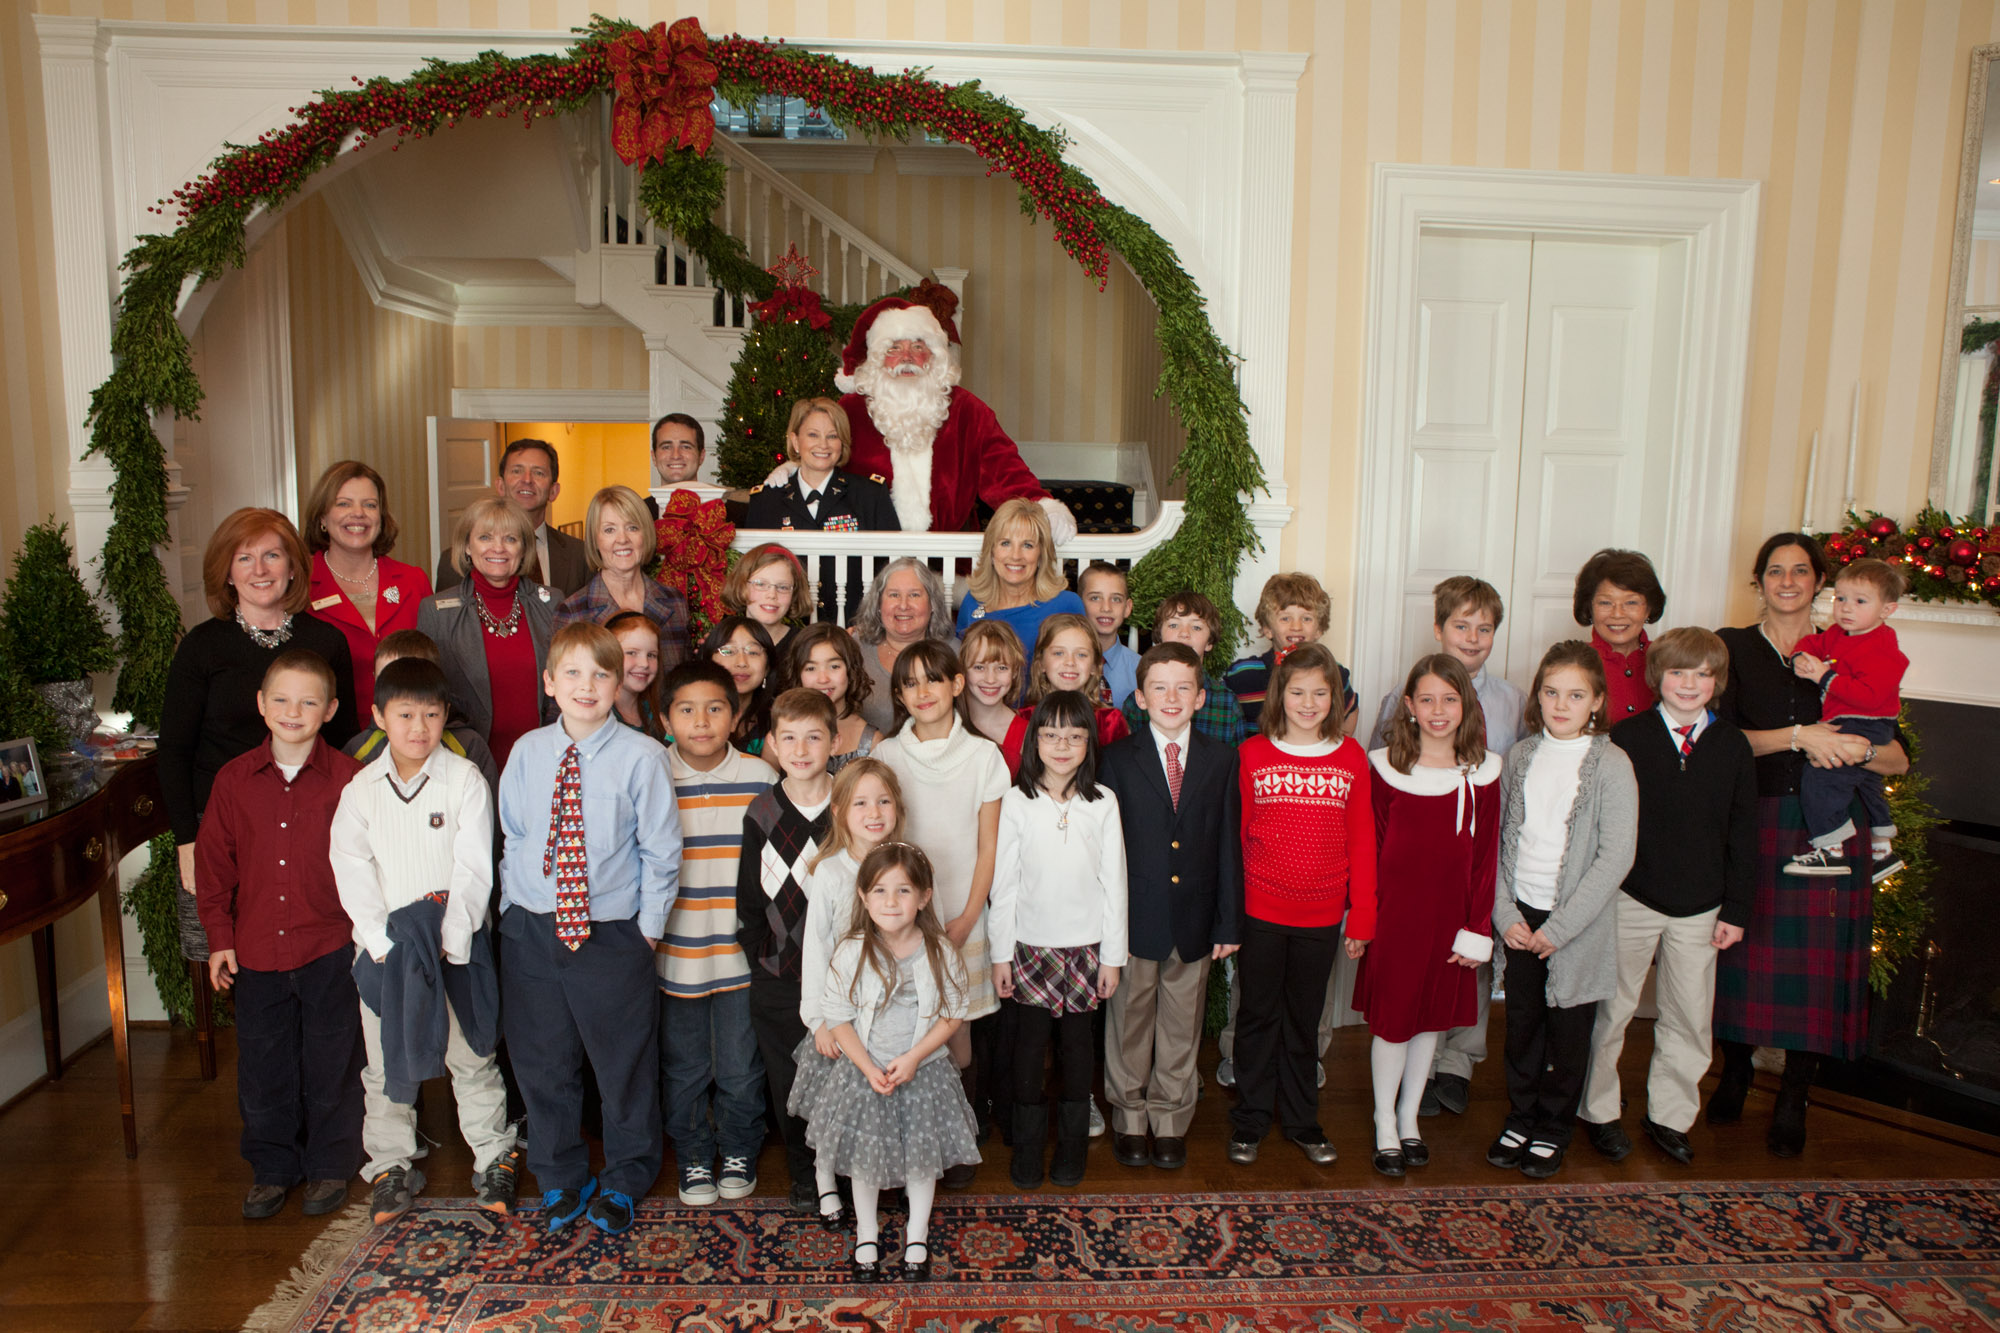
x=1184 y=866
x=210 y=712
x=1697 y=820
x=1764 y=695
x=865 y=500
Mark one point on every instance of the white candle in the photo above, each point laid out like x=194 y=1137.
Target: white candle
x=1853 y=448
x=1812 y=473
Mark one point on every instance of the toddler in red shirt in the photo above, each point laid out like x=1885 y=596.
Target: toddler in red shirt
x=280 y=939
x=1859 y=669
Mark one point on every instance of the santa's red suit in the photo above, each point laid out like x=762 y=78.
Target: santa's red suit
x=971 y=459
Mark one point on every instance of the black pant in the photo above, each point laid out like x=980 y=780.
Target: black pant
x=1548 y=1048
x=1076 y=1053
x=774 y=1014
x=1281 y=975
x=560 y=1006
x=298 y=1070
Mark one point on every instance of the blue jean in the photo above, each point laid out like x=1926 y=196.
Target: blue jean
x=706 y=1039
x=1827 y=794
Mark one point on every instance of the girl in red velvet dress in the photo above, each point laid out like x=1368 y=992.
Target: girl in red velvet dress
x=1437 y=827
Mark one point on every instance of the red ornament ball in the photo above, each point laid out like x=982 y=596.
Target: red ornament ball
x=1925 y=543
x=1882 y=527
x=1962 y=552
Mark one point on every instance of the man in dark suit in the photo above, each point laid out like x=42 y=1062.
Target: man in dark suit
x=530 y=476
x=1178 y=800
x=679 y=446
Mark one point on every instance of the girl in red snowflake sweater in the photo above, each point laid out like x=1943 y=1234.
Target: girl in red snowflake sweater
x=1308 y=858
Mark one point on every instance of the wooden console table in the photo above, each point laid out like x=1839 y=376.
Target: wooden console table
x=53 y=858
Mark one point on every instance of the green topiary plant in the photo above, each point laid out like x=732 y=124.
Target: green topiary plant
x=24 y=712
x=52 y=629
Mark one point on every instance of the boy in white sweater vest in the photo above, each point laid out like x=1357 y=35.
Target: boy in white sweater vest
x=415 y=832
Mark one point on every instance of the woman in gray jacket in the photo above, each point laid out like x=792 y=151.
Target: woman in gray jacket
x=1566 y=840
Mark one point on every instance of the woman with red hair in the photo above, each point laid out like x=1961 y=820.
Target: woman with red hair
x=356 y=587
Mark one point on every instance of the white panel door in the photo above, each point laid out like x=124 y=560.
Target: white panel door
x=464 y=455
x=1585 y=419
x=1473 y=313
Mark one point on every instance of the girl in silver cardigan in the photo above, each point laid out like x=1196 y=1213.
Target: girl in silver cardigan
x=1566 y=840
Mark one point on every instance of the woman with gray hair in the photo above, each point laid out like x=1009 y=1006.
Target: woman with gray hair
x=905 y=604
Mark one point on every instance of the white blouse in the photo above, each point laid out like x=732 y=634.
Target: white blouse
x=1547 y=796
x=1060 y=878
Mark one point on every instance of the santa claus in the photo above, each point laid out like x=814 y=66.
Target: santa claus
x=939 y=446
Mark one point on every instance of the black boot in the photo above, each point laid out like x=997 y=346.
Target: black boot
x=1725 y=1104
x=982 y=1109
x=1031 y=1131
x=1072 y=1143
x=1788 y=1123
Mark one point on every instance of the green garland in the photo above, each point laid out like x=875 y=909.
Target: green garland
x=1903 y=900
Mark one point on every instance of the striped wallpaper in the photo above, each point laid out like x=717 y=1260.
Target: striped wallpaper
x=545 y=357
x=1849 y=111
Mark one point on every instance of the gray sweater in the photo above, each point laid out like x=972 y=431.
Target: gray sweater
x=1597 y=853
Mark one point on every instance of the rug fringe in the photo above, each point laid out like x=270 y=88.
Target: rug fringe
x=296 y=1292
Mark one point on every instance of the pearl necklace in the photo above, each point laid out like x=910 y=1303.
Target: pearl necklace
x=363 y=581
x=265 y=638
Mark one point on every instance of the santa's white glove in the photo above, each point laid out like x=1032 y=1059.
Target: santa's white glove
x=1061 y=522
x=783 y=473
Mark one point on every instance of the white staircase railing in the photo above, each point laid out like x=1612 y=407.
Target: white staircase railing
x=760 y=208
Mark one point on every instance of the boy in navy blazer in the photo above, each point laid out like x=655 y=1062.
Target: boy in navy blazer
x=1184 y=870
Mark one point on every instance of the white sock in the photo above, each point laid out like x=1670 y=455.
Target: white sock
x=828 y=1184
x=867 y=1216
x=920 y=1193
x=1386 y=1060
x=1416 y=1073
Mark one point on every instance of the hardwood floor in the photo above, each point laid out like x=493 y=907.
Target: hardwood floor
x=93 y=1241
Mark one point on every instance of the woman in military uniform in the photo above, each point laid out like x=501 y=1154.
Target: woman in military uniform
x=818 y=495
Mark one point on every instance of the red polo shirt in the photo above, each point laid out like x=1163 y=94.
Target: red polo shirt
x=1626 y=690
x=264 y=883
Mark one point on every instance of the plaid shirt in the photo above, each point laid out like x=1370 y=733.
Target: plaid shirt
x=665 y=607
x=1219 y=717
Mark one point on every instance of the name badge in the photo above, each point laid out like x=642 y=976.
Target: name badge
x=324 y=602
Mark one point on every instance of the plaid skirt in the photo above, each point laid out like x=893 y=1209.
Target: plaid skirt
x=1058 y=980
x=1799 y=979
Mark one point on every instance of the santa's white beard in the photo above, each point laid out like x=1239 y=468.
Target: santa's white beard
x=908 y=410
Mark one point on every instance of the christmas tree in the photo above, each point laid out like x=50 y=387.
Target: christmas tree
x=791 y=352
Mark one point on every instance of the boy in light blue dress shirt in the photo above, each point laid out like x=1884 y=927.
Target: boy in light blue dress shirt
x=590 y=871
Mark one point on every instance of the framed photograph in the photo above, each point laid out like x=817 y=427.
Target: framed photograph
x=21 y=780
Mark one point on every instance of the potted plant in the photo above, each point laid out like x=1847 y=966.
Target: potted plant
x=52 y=631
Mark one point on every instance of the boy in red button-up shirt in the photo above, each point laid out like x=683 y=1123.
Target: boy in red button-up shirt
x=279 y=936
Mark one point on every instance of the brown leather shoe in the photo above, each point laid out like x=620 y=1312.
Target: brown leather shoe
x=1130 y=1149
x=1170 y=1153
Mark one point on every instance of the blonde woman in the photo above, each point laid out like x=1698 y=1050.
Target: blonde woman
x=619 y=544
x=821 y=494
x=1018 y=580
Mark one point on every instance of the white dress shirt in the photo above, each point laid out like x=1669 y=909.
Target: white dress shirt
x=1059 y=881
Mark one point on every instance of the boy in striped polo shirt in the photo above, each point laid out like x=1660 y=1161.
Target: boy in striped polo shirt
x=706 y=1035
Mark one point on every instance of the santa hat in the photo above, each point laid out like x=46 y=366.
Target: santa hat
x=926 y=314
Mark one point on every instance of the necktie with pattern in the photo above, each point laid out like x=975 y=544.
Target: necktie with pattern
x=565 y=858
x=1687 y=739
x=1174 y=772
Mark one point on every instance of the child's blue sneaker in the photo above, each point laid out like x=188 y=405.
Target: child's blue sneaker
x=565 y=1206
x=611 y=1212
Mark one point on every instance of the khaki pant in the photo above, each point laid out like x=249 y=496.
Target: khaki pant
x=1462 y=1048
x=1686 y=994
x=389 y=1129
x=1152 y=1033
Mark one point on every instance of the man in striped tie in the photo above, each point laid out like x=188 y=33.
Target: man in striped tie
x=589 y=874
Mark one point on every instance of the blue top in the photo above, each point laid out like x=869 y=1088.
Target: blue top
x=631 y=824
x=1121 y=673
x=1025 y=621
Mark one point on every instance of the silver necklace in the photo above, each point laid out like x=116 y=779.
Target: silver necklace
x=499 y=629
x=265 y=638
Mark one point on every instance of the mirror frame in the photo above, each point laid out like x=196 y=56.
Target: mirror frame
x=1961 y=258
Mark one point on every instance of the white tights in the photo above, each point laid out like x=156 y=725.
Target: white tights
x=1404 y=1065
x=868 y=1212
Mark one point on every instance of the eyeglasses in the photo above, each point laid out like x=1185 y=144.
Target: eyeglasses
x=1063 y=740
x=765 y=585
x=746 y=654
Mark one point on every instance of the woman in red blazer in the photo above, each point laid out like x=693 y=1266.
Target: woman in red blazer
x=356 y=587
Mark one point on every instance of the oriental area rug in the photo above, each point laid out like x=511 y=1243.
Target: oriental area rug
x=1799 y=1256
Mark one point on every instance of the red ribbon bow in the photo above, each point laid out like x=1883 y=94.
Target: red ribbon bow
x=665 y=83
x=694 y=542
x=793 y=303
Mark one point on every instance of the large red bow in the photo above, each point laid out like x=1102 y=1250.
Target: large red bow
x=665 y=83
x=694 y=553
x=793 y=303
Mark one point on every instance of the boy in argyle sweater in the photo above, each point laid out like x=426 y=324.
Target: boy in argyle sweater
x=782 y=831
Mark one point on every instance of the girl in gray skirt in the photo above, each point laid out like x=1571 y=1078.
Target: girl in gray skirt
x=891 y=1112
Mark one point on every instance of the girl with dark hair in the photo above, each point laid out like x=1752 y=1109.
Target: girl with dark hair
x=1057 y=926
x=1799 y=979
x=742 y=647
x=892 y=1113
x=1437 y=828
x=826 y=658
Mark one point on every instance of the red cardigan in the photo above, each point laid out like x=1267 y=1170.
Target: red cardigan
x=399 y=590
x=1867 y=675
x=1308 y=836
x=1626 y=691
